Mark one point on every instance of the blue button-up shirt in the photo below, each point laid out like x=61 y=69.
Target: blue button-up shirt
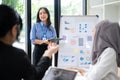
x=39 y=30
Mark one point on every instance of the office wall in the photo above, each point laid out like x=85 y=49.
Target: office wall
x=119 y=14
x=111 y=12
x=106 y=9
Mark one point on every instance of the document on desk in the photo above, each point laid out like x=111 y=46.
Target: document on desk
x=55 y=73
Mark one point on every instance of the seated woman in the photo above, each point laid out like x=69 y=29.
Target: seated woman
x=105 y=53
x=14 y=62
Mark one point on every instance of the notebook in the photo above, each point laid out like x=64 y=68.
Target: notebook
x=55 y=73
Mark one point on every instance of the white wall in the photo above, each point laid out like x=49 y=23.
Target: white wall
x=106 y=9
x=119 y=14
x=111 y=12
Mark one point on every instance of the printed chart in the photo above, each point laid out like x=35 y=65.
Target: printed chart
x=75 y=50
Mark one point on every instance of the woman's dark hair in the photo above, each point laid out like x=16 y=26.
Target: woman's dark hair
x=8 y=18
x=48 y=20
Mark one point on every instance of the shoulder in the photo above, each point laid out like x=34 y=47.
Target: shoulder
x=19 y=51
x=21 y=55
x=36 y=24
x=109 y=52
x=51 y=27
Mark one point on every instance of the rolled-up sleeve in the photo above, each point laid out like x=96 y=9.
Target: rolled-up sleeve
x=33 y=33
x=54 y=33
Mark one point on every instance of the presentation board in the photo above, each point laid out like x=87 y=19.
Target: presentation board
x=75 y=48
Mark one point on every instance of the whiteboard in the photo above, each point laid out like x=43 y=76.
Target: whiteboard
x=75 y=48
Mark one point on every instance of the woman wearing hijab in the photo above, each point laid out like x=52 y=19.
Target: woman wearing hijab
x=105 y=53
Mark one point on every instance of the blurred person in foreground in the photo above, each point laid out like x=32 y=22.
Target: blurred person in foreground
x=14 y=62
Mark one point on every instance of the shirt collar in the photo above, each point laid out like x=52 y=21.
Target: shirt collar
x=41 y=23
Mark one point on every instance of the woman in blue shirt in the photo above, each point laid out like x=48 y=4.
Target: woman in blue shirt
x=41 y=31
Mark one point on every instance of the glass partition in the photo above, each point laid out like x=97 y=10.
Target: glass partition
x=71 y=7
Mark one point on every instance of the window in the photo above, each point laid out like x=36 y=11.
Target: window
x=19 y=5
x=71 y=7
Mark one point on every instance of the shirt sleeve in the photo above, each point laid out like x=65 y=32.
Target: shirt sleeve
x=31 y=72
x=33 y=33
x=103 y=66
x=42 y=66
x=53 y=32
x=28 y=69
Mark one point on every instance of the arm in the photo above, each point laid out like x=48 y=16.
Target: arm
x=42 y=66
x=45 y=61
x=37 y=41
x=28 y=70
x=105 y=64
x=53 y=32
x=32 y=33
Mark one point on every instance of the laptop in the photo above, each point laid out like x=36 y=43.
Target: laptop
x=55 y=73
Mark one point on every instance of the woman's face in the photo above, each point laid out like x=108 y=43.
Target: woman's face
x=93 y=32
x=43 y=15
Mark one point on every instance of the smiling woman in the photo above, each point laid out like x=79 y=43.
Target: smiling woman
x=36 y=4
x=41 y=32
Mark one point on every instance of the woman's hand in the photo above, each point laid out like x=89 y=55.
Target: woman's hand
x=37 y=41
x=52 y=49
x=45 y=41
